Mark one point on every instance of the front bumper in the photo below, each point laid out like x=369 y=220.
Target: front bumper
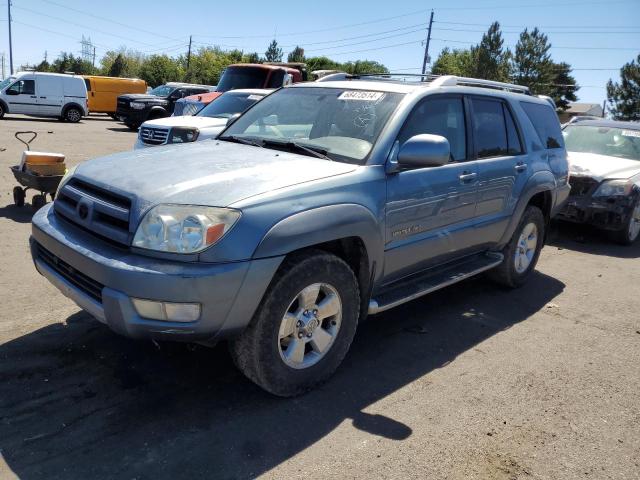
x=607 y=213
x=132 y=117
x=101 y=279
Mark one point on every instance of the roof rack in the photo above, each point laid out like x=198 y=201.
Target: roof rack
x=433 y=80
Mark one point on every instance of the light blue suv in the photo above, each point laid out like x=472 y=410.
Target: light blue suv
x=321 y=204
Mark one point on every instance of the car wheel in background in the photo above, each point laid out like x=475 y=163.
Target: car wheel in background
x=73 y=115
x=522 y=252
x=18 y=196
x=631 y=230
x=304 y=326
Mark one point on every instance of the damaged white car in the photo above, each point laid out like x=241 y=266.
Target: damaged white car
x=605 y=177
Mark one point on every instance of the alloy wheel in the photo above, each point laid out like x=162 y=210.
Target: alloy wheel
x=526 y=247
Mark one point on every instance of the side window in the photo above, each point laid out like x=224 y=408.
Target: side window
x=25 y=87
x=439 y=116
x=546 y=123
x=513 y=139
x=489 y=128
x=276 y=79
x=87 y=82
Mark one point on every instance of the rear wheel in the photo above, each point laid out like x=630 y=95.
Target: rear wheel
x=304 y=326
x=522 y=252
x=73 y=115
x=38 y=202
x=631 y=231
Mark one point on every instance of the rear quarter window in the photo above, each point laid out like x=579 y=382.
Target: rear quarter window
x=87 y=82
x=546 y=123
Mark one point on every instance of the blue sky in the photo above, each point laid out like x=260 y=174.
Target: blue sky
x=595 y=36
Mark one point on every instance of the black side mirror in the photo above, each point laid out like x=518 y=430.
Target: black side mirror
x=424 y=150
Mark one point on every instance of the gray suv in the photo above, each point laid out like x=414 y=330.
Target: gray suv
x=321 y=204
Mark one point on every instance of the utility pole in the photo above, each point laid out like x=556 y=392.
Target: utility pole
x=2 y=61
x=94 y=57
x=426 y=46
x=10 y=44
x=189 y=53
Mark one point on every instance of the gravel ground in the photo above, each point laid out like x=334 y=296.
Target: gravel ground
x=470 y=382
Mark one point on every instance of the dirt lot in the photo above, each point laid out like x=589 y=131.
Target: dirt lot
x=470 y=382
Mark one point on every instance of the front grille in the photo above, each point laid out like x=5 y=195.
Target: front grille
x=97 y=210
x=154 y=136
x=582 y=186
x=70 y=274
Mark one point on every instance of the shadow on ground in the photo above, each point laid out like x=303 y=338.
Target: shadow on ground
x=121 y=129
x=17 y=214
x=589 y=240
x=78 y=401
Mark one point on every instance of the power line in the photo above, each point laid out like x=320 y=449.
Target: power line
x=468 y=42
x=547 y=32
x=539 y=26
x=368 y=41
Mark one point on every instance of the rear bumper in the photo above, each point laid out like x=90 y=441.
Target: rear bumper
x=102 y=279
x=607 y=213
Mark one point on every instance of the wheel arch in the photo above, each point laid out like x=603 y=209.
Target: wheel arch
x=4 y=106
x=69 y=105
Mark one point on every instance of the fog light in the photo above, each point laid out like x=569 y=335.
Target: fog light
x=167 y=311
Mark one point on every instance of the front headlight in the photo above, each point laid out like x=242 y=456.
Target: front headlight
x=611 y=188
x=183 y=135
x=137 y=105
x=183 y=228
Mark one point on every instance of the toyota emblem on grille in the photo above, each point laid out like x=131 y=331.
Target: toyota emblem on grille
x=83 y=211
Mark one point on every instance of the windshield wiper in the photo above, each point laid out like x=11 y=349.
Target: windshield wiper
x=311 y=150
x=244 y=141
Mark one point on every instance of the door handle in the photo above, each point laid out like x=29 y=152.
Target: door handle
x=521 y=167
x=34 y=96
x=43 y=97
x=467 y=177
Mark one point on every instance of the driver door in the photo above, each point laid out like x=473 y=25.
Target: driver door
x=430 y=211
x=22 y=97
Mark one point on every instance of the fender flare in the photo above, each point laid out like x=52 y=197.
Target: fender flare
x=543 y=181
x=71 y=105
x=158 y=108
x=321 y=225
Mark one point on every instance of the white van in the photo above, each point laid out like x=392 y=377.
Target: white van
x=44 y=95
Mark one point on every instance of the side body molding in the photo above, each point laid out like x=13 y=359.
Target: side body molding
x=325 y=224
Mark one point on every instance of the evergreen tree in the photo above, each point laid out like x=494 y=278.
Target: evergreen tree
x=296 y=55
x=251 y=58
x=273 y=53
x=563 y=89
x=624 y=97
x=490 y=60
x=118 y=66
x=532 y=65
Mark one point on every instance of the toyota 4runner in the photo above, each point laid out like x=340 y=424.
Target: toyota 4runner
x=321 y=204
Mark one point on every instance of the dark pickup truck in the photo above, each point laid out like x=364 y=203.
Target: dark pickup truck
x=134 y=109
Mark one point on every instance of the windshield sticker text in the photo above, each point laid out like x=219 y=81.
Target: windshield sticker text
x=631 y=133
x=361 y=95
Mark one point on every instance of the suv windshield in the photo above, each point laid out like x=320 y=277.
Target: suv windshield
x=234 y=78
x=229 y=104
x=162 y=91
x=614 y=142
x=6 y=82
x=342 y=123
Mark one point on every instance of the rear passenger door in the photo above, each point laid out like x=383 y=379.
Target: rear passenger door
x=502 y=166
x=429 y=211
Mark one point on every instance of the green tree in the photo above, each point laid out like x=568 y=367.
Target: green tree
x=532 y=65
x=563 y=87
x=159 y=69
x=363 y=66
x=489 y=59
x=207 y=64
x=454 y=62
x=322 y=63
x=253 y=57
x=624 y=97
x=118 y=67
x=66 y=62
x=273 y=53
x=296 y=55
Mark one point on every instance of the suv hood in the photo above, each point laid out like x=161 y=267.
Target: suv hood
x=602 y=167
x=137 y=97
x=213 y=173
x=186 y=121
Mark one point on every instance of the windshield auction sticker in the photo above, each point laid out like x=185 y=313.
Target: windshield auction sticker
x=361 y=95
x=631 y=133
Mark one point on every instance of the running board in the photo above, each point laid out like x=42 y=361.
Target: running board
x=418 y=285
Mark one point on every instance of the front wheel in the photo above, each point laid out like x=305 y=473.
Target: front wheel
x=1 y=110
x=304 y=326
x=631 y=230
x=522 y=252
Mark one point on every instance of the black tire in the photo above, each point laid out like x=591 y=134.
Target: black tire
x=506 y=273
x=2 y=110
x=72 y=115
x=38 y=202
x=626 y=236
x=18 y=196
x=132 y=126
x=257 y=352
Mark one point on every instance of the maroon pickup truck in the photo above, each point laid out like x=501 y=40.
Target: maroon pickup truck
x=258 y=75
